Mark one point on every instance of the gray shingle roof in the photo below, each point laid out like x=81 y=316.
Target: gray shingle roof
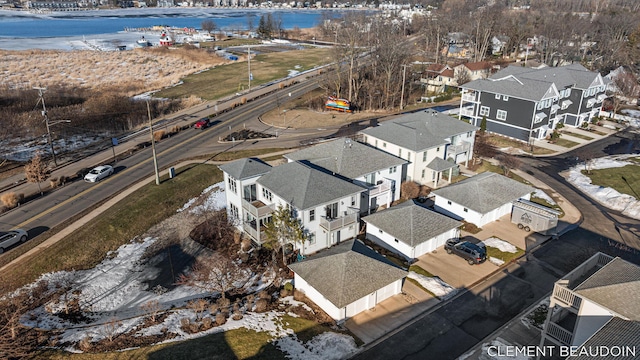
x=484 y=192
x=420 y=131
x=347 y=272
x=347 y=157
x=411 y=223
x=615 y=286
x=532 y=84
x=439 y=164
x=616 y=332
x=245 y=168
x=305 y=187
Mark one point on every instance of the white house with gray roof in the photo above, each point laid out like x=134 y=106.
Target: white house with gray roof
x=526 y=104
x=379 y=172
x=480 y=199
x=327 y=206
x=433 y=143
x=410 y=229
x=347 y=279
x=596 y=303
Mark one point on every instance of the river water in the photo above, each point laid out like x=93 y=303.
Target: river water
x=20 y=30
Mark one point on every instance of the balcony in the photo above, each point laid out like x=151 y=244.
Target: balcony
x=338 y=223
x=469 y=97
x=559 y=333
x=467 y=111
x=382 y=188
x=257 y=208
x=257 y=236
x=460 y=148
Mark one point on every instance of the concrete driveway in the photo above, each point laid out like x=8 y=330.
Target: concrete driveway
x=453 y=269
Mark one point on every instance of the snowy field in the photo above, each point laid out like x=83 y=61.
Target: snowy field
x=608 y=197
x=115 y=292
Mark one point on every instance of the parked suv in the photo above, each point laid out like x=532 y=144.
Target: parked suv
x=471 y=252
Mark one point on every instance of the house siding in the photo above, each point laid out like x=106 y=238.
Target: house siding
x=591 y=317
x=388 y=241
x=457 y=212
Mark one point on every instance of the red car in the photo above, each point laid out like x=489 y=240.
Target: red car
x=202 y=124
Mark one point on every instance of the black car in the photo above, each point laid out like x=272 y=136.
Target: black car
x=469 y=251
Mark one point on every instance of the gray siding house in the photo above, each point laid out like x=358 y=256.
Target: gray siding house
x=527 y=104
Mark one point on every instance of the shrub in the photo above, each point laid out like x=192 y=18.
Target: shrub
x=237 y=316
x=288 y=286
x=158 y=135
x=262 y=305
x=223 y=304
x=207 y=323
x=53 y=182
x=243 y=101
x=298 y=295
x=409 y=190
x=220 y=319
x=10 y=200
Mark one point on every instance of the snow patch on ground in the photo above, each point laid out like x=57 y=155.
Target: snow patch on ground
x=500 y=245
x=434 y=284
x=539 y=193
x=608 y=197
x=216 y=199
x=326 y=346
x=496 y=261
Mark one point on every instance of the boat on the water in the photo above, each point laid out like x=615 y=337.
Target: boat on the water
x=142 y=42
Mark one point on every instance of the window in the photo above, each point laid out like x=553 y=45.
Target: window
x=376 y=142
x=505 y=97
x=409 y=156
x=484 y=110
x=561 y=93
x=438 y=149
x=540 y=105
x=465 y=210
x=399 y=152
x=393 y=169
x=332 y=211
x=469 y=134
x=498 y=96
x=384 y=144
x=234 y=211
x=267 y=194
x=365 y=138
x=312 y=215
x=250 y=193
x=233 y=186
x=312 y=238
x=567 y=92
x=353 y=201
x=424 y=156
x=501 y=115
x=423 y=172
x=547 y=103
x=448 y=202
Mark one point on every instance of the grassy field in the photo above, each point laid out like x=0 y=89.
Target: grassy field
x=233 y=155
x=131 y=217
x=418 y=270
x=613 y=178
x=233 y=344
x=566 y=143
x=502 y=142
x=504 y=256
x=580 y=136
x=225 y=80
x=487 y=166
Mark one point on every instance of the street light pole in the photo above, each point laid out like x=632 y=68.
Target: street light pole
x=249 y=62
x=153 y=146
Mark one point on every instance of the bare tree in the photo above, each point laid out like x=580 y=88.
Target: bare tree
x=208 y=25
x=626 y=87
x=36 y=171
x=215 y=273
x=152 y=308
x=509 y=162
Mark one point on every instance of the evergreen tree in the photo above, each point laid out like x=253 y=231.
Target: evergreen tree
x=283 y=229
x=483 y=124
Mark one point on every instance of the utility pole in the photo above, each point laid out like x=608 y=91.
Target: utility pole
x=404 y=75
x=249 y=62
x=41 y=91
x=153 y=146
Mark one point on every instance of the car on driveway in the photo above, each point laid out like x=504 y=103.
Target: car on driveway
x=10 y=238
x=202 y=124
x=98 y=173
x=469 y=251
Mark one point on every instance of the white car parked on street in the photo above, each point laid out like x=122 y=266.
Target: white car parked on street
x=10 y=238
x=99 y=173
